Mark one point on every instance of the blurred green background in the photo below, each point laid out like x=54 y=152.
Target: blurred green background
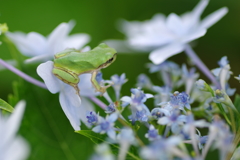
x=98 y=19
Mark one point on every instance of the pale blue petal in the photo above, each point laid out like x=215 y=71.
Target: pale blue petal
x=161 y=54
x=175 y=24
x=70 y=103
x=111 y=133
x=76 y=41
x=126 y=99
x=163 y=120
x=19 y=147
x=60 y=32
x=39 y=58
x=213 y=18
x=174 y=140
x=120 y=45
x=85 y=106
x=113 y=117
x=197 y=11
x=194 y=35
x=149 y=95
x=175 y=128
x=44 y=70
x=85 y=85
x=31 y=44
x=12 y=123
x=97 y=129
x=223 y=76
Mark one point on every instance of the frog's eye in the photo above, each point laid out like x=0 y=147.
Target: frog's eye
x=110 y=60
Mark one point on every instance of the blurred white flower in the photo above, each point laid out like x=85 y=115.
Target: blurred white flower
x=42 y=48
x=167 y=36
x=74 y=108
x=12 y=147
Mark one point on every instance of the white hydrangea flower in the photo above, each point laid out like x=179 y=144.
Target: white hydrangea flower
x=74 y=108
x=167 y=36
x=42 y=48
x=12 y=147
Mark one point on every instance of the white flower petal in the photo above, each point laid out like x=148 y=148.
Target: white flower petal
x=113 y=117
x=85 y=106
x=56 y=38
x=13 y=122
x=126 y=99
x=39 y=58
x=163 y=120
x=44 y=70
x=31 y=44
x=119 y=45
x=197 y=11
x=194 y=35
x=70 y=103
x=160 y=55
x=76 y=41
x=111 y=133
x=223 y=76
x=85 y=85
x=213 y=18
x=20 y=149
x=149 y=95
x=97 y=129
x=175 y=24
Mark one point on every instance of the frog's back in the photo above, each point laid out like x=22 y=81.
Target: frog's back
x=75 y=62
x=83 y=62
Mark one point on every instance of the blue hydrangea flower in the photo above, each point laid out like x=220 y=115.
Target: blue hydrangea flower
x=157 y=113
x=152 y=133
x=188 y=77
x=125 y=138
x=169 y=72
x=106 y=126
x=221 y=137
x=180 y=100
x=162 y=94
x=118 y=81
x=136 y=102
x=111 y=108
x=141 y=116
x=92 y=118
x=144 y=82
x=223 y=74
x=175 y=121
x=162 y=149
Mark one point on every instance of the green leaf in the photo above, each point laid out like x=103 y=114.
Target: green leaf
x=5 y=106
x=98 y=138
x=237 y=102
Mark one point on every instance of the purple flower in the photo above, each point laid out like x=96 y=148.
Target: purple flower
x=92 y=118
x=107 y=126
x=152 y=133
x=118 y=81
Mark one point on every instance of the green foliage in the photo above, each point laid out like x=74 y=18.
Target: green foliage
x=237 y=102
x=5 y=106
x=45 y=127
x=97 y=139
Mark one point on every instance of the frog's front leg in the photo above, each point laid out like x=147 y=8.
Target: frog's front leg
x=67 y=77
x=99 y=88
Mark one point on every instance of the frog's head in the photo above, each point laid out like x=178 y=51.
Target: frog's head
x=109 y=55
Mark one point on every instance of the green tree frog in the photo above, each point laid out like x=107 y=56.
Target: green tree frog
x=71 y=63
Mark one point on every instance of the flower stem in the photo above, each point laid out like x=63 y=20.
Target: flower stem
x=23 y=75
x=189 y=51
x=98 y=102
